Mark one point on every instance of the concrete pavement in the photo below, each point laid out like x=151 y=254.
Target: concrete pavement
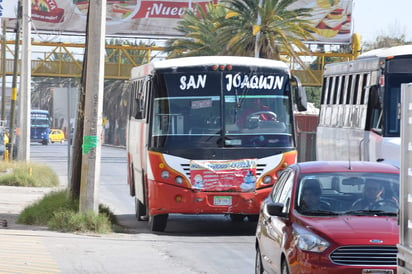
x=22 y=249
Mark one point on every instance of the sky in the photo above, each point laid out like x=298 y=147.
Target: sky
x=372 y=18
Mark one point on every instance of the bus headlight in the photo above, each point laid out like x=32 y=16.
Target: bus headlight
x=165 y=174
x=267 y=179
x=179 y=180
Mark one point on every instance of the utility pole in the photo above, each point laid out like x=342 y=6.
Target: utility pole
x=91 y=147
x=3 y=69
x=25 y=86
x=14 y=84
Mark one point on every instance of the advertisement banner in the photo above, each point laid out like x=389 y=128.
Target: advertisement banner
x=8 y=8
x=332 y=18
x=230 y=175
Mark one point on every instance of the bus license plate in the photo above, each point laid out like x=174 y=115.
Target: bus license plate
x=222 y=200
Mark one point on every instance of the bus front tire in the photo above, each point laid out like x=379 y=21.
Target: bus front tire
x=140 y=210
x=158 y=222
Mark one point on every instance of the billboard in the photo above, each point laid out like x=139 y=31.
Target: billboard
x=8 y=8
x=159 y=18
x=331 y=18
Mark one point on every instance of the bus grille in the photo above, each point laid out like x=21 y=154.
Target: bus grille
x=365 y=255
x=259 y=169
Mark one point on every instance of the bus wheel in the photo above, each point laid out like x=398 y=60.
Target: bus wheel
x=140 y=210
x=44 y=142
x=236 y=217
x=158 y=222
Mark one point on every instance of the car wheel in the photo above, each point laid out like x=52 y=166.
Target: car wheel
x=158 y=222
x=236 y=217
x=258 y=262
x=140 y=210
x=285 y=268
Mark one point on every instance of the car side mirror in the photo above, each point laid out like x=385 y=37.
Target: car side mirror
x=275 y=209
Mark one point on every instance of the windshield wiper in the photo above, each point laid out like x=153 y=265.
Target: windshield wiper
x=361 y=212
x=318 y=212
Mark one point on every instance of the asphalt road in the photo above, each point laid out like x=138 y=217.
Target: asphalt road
x=190 y=244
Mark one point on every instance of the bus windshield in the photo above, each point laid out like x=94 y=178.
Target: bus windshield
x=392 y=99
x=39 y=122
x=39 y=119
x=222 y=112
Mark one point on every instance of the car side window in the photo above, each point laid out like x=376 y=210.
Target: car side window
x=283 y=192
x=277 y=188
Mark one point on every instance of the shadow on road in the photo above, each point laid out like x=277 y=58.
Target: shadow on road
x=191 y=225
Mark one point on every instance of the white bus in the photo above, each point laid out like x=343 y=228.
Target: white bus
x=359 y=114
x=193 y=148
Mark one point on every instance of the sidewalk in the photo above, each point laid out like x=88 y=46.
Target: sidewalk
x=14 y=199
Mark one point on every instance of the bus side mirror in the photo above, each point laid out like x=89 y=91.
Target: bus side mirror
x=375 y=98
x=301 y=99
x=300 y=95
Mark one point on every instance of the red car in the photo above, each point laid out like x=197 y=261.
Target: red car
x=330 y=217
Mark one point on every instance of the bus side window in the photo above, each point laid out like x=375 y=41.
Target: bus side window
x=132 y=104
x=374 y=120
x=145 y=93
x=139 y=100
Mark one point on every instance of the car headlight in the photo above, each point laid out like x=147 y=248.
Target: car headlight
x=308 y=241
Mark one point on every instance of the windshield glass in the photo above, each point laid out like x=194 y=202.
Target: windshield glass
x=392 y=99
x=398 y=71
x=39 y=122
x=215 y=109
x=348 y=193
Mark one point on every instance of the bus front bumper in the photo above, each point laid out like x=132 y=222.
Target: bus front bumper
x=165 y=198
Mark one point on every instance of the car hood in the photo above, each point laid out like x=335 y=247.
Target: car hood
x=355 y=229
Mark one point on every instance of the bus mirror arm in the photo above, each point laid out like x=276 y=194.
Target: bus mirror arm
x=300 y=95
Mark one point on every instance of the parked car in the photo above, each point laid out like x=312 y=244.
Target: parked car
x=330 y=217
x=56 y=136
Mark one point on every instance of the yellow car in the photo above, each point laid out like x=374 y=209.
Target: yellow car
x=56 y=136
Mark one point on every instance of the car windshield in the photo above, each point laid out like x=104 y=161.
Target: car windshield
x=323 y=194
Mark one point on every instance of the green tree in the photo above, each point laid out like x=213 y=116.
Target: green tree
x=313 y=95
x=201 y=31
x=235 y=33
x=280 y=29
x=386 y=41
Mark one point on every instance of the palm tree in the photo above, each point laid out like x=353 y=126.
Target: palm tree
x=201 y=30
x=280 y=29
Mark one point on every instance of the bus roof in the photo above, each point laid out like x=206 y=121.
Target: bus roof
x=207 y=60
x=367 y=61
x=386 y=52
